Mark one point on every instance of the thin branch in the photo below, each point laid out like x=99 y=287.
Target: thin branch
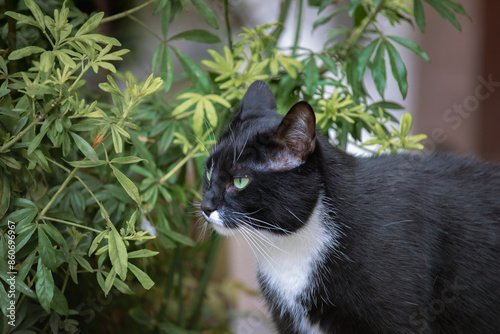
x=125 y=13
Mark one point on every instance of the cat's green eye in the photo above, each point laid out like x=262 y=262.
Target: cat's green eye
x=240 y=182
x=208 y=176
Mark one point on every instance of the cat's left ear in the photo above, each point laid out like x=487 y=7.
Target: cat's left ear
x=297 y=130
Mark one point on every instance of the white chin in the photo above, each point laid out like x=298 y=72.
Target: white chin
x=217 y=224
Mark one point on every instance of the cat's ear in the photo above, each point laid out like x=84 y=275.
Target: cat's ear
x=297 y=131
x=258 y=100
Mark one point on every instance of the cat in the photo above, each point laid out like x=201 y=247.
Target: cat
x=406 y=243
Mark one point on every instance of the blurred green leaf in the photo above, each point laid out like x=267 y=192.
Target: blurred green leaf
x=206 y=13
x=196 y=35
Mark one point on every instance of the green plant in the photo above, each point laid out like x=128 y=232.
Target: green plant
x=82 y=169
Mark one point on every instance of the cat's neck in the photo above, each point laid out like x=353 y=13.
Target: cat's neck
x=286 y=262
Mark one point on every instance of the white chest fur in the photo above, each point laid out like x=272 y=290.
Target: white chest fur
x=288 y=264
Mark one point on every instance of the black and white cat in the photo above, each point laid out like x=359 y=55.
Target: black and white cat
x=388 y=244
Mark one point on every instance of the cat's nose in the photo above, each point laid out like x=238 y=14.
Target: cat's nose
x=208 y=206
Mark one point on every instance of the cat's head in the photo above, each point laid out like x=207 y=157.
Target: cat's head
x=262 y=173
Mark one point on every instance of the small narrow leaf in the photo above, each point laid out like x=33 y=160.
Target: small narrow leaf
x=206 y=13
x=379 y=71
x=25 y=52
x=193 y=70
x=398 y=68
x=411 y=46
x=44 y=285
x=196 y=35
x=127 y=160
x=91 y=24
x=418 y=12
x=85 y=147
x=142 y=253
x=46 y=250
x=142 y=277
x=127 y=184
x=117 y=253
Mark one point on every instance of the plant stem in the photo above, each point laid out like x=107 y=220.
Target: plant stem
x=70 y=223
x=56 y=195
x=228 y=26
x=20 y=135
x=298 y=26
x=125 y=13
x=145 y=26
x=180 y=164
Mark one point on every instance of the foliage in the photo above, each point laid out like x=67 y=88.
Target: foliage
x=82 y=170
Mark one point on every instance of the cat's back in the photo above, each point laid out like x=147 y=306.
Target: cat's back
x=437 y=219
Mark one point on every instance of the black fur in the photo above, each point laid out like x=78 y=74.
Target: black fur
x=419 y=234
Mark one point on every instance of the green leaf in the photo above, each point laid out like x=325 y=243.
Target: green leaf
x=411 y=46
x=458 y=8
x=180 y=238
x=110 y=280
x=91 y=24
x=379 y=72
x=325 y=19
x=418 y=12
x=206 y=13
x=117 y=139
x=142 y=277
x=59 y=302
x=127 y=184
x=311 y=76
x=37 y=140
x=406 y=124
x=193 y=70
x=24 y=236
x=87 y=163
x=196 y=35
x=44 y=286
x=364 y=58
x=25 y=52
x=4 y=193
x=85 y=147
x=117 y=252
x=127 y=160
x=445 y=12
x=165 y=18
x=36 y=11
x=96 y=241
x=398 y=68
x=22 y=19
x=353 y=4
x=46 y=250
x=84 y=263
x=142 y=253
x=55 y=234
x=26 y=266
x=167 y=68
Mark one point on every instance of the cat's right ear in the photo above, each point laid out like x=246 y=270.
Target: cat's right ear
x=258 y=100
x=297 y=131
